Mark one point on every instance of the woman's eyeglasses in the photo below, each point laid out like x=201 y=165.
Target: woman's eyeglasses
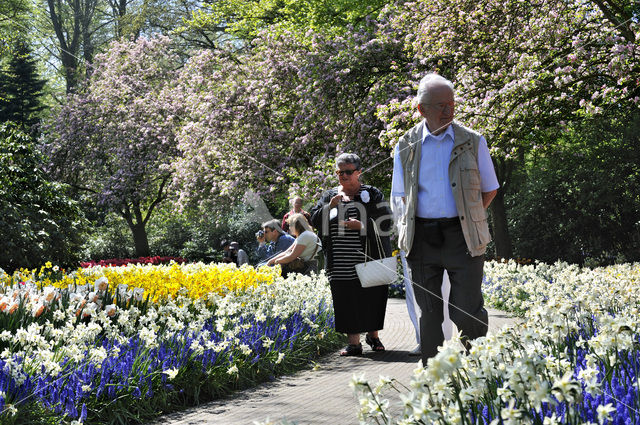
x=343 y=172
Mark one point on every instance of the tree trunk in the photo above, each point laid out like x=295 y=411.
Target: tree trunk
x=138 y=229
x=140 y=240
x=500 y=226
x=132 y=213
x=68 y=39
x=70 y=65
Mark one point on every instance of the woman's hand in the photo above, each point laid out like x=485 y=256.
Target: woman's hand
x=271 y=262
x=351 y=224
x=335 y=201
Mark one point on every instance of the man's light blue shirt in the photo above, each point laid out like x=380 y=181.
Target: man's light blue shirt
x=435 y=198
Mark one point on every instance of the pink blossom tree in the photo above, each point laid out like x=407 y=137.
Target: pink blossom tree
x=116 y=139
x=274 y=119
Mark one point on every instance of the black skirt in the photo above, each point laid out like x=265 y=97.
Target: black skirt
x=358 y=309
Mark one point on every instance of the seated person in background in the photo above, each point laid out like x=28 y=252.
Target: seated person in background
x=241 y=255
x=261 y=251
x=278 y=240
x=300 y=257
x=296 y=208
x=227 y=256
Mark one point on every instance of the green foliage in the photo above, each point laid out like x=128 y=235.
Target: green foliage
x=110 y=238
x=580 y=203
x=193 y=235
x=13 y=21
x=196 y=236
x=20 y=88
x=246 y=18
x=38 y=220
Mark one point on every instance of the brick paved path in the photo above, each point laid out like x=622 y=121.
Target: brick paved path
x=321 y=396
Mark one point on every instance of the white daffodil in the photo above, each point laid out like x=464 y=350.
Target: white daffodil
x=604 y=412
x=138 y=294
x=101 y=284
x=552 y=420
x=171 y=373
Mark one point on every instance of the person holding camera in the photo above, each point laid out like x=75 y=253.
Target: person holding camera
x=261 y=251
x=272 y=241
x=228 y=256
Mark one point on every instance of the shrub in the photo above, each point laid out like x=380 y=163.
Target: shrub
x=39 y=222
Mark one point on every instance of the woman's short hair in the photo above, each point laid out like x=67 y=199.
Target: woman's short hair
x=299 y=223
x=348 y=158
x=429 y=81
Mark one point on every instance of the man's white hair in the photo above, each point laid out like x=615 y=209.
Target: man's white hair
x=426 y=84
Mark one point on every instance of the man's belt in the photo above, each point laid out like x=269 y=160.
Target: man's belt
x=443 y=222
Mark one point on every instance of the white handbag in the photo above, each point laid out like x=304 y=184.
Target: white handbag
x=377 y=272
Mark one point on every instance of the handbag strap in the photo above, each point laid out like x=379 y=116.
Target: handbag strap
x=316 y=248
x=378 y=240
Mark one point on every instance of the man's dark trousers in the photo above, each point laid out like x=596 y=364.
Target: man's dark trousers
x=466 y=305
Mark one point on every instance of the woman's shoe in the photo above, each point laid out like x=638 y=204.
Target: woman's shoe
x=351 y=350
x=375 y=343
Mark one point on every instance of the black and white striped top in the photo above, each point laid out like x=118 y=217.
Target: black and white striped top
x=345 y=246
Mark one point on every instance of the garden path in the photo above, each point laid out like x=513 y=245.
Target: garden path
x=321 y=396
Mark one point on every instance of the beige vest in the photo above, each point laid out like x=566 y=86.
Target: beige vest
x=464 y=178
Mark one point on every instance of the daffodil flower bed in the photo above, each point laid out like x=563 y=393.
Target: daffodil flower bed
x=574 y=358
x=121 y=344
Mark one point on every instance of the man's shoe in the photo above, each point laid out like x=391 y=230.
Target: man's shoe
x=416 y=351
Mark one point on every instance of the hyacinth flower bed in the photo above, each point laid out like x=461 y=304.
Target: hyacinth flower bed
x=123 y=344
x=574 y=358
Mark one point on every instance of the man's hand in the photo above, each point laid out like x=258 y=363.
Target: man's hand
x=487 y=197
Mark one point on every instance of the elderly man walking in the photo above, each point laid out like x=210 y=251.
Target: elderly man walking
x=445 y=176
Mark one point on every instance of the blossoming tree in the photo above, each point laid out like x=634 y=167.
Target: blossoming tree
x=116 y=140
x=273 y=120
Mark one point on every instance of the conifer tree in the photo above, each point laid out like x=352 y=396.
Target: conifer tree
x=21 y=89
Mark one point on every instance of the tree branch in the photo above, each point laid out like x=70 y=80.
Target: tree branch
x=159 y=198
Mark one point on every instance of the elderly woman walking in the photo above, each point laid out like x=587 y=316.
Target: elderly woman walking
x=349 y=218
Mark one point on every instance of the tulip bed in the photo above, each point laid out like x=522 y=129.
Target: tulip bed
x=140 y=260
x=123 y=344
x=574 y=358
